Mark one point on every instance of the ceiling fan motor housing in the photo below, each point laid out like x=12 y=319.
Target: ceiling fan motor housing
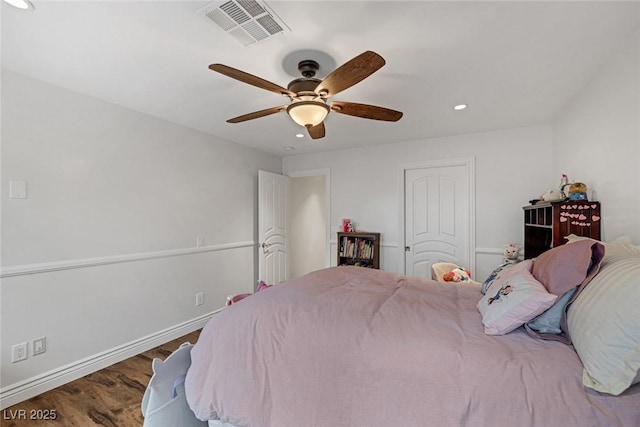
x=304 y=84
x=308 y=67
x=307 y=83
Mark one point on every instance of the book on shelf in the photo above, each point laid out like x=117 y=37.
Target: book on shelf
x=356 y=247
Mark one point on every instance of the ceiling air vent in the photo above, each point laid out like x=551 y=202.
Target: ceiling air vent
x=248 y=21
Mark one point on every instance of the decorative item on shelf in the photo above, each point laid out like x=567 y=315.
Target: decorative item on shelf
x=564 y=182
x=578 y=191
x=567 y=191
x=552 y=196
x=347 y=226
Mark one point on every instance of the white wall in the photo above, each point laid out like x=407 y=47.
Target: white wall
x=597 y=141
x=307 y=232
x=101 y=257
x=512 y=167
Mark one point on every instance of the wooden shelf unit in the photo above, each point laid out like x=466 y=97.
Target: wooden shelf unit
x=547 y=223
x=359 y=248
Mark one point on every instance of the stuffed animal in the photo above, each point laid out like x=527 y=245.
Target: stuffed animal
x=577 y=187
x=578 y=191
x=552 y=196
x=457 y=275
x=511 y=253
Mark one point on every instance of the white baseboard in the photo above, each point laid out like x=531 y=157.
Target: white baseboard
x=31 y=387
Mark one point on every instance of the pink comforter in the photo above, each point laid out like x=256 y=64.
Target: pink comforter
x=349 y=346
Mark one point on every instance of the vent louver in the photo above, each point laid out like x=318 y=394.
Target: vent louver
x=248 y=21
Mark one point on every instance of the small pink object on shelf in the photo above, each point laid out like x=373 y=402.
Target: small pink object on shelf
x=347 y=226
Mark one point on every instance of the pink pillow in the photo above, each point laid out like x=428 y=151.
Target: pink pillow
x=564 y=267
x=509 y=303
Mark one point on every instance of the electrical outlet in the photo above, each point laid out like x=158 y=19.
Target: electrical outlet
x=39 y=346
x=18 y=352
x=200 y=241
x=199 y=298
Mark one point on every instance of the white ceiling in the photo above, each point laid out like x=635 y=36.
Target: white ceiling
x=515 y=63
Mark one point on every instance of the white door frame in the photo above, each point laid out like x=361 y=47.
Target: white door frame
x=326 y=172
x=469 y=163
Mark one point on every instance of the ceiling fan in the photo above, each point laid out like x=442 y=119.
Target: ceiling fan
x=309 y=95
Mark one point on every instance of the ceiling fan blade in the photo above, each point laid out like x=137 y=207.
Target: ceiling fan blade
x=350 y=73
x=317 y=131
x=257 y=114
x=250 y=79
x=366 y=111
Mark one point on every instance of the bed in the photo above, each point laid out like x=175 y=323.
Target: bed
x=351 y=346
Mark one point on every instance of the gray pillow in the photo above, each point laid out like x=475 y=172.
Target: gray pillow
x=549 y=322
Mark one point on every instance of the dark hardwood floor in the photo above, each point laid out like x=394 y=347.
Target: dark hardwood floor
x=110 y=397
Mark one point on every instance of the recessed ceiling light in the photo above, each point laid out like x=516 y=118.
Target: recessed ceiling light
x=289 y=148
x=20 y=4
x=299 y=135
x=460 y=107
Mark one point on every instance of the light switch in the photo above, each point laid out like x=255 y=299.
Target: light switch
x=17 y=189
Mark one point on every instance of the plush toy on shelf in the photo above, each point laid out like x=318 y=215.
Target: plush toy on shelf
x=578 y=191
x=552 y=196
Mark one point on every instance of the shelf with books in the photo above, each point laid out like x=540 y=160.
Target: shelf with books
x=359 y=248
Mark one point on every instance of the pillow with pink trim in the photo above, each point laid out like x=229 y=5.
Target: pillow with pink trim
x=513 y=301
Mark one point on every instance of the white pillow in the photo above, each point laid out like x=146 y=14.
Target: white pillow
x=618 y=248
x=604 y=324
x=513 y=301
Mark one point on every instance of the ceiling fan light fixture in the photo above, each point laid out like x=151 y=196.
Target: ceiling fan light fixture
x=308 y=113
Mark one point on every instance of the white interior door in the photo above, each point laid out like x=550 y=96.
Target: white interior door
x=273 y=202
x=437 y=218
